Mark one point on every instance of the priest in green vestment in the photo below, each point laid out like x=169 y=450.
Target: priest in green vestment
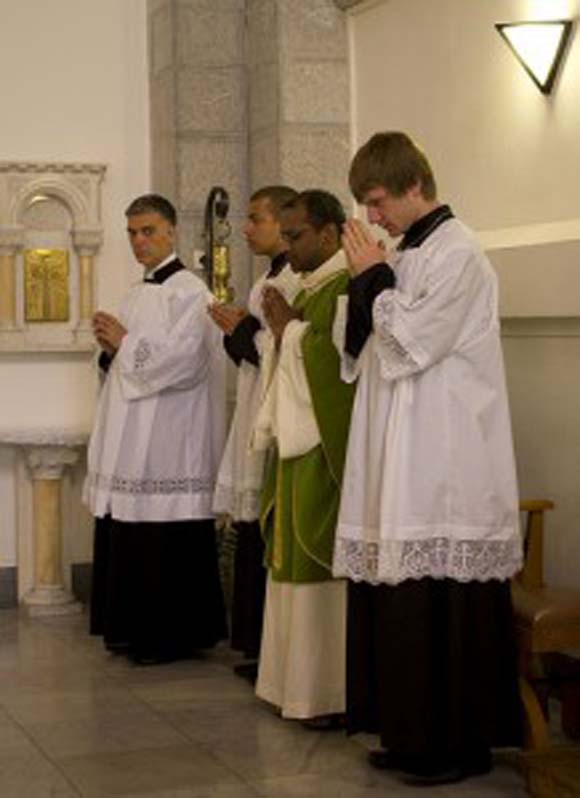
x=304 y=419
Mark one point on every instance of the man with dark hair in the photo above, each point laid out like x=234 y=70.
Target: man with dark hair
x=241 y=473
x=153 y=456
x=305 y=411
x=428 y=530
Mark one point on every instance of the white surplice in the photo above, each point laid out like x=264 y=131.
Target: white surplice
x=241 y=472
x=429 y=485
x=160 y=425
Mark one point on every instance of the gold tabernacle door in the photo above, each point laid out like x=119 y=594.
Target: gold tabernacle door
x=46 y=285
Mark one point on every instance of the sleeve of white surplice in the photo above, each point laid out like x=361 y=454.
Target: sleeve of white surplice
x=350 y=367
x=174 y=355
x=412 y=334
x=295 y=422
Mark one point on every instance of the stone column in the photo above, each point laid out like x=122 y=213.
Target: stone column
x=299 y=95
x=198 y=89
x=49 y=595
x=87 y=243
x=10 y=245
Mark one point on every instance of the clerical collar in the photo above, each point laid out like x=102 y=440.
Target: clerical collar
x=165 y=270
x=313 y=281
x=277 y=264
x=423 y=227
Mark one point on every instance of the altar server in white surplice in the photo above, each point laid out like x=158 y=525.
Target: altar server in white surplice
x=428 y=525
x=241 y=473
x=153 y=456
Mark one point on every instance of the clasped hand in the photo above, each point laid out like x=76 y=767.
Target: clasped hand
x=361 y=248
x=227 y=317
x=277 y=312
x=108 y=331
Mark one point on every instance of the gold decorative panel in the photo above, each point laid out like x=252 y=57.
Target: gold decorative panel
x=46 y=285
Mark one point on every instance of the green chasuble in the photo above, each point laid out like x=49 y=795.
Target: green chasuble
x=301 y=494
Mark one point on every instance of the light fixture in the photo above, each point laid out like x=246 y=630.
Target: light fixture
x=539 y=47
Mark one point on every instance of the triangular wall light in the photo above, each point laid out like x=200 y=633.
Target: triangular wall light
x=539 y=47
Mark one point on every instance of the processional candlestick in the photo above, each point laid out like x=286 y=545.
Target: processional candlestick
x=217 y=230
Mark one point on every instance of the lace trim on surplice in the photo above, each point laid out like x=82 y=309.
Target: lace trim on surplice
x=143 y=353
x=149 y=486
x=394 y=561
x=395 y=359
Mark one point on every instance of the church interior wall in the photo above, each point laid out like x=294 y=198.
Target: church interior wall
x=507 y=158
x=74 y=90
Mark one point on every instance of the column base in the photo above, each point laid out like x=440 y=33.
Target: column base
x=50 y=600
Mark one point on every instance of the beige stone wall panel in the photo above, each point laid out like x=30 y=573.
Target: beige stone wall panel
x=154 y=5
x=211 y=99
x=317 y=158
x=223 y=6
x=189 y=236
x=206 y=37
x=161 y=39
x=204 y=162
x=163 y=134
x=316 y=92
x=312 y=30
x=262 y=32
x=265 y=165
x=264 y=102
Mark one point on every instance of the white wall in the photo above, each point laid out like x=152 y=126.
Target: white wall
x=507 y=158
x=73 y=88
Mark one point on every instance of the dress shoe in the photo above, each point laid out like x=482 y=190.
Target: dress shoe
x=247 y=670
x=473 y=764
x=144 y=660
x=382 y=759
x=332 y=722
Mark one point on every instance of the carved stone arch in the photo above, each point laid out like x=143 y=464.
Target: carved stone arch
x=62 y=190
x=77 y=186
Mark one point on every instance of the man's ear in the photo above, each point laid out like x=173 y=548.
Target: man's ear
x=416 y=190
x=329 y=235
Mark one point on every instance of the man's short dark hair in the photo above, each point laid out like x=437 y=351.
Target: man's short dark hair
x=321 y=207
x=278 y=197
x=153 y=203
x=392 y=161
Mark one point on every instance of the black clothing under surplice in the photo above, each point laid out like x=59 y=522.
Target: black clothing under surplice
x=249 y=589
x=432 y=668
x=156 y=590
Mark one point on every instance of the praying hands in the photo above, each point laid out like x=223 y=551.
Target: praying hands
x=361 y=248
x=277 y=312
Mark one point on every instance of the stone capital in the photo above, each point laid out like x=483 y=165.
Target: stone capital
x=49 y=462
x=87 y=240
x=11 y=240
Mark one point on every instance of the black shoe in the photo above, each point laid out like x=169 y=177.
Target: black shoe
x=449 y=776
x=117 y=648
x=477 y=763
x=473 y=764
x=382 y=759
x=332 y=722
x=145 y=660
x=247 y=670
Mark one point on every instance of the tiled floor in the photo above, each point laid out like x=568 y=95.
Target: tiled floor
x=76 y=721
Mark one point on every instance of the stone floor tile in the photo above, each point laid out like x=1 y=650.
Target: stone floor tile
x=32 y=706
x=374 y=784
x=146 y=771
x=192 y=690
x=30 y=775
x=105 y=731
